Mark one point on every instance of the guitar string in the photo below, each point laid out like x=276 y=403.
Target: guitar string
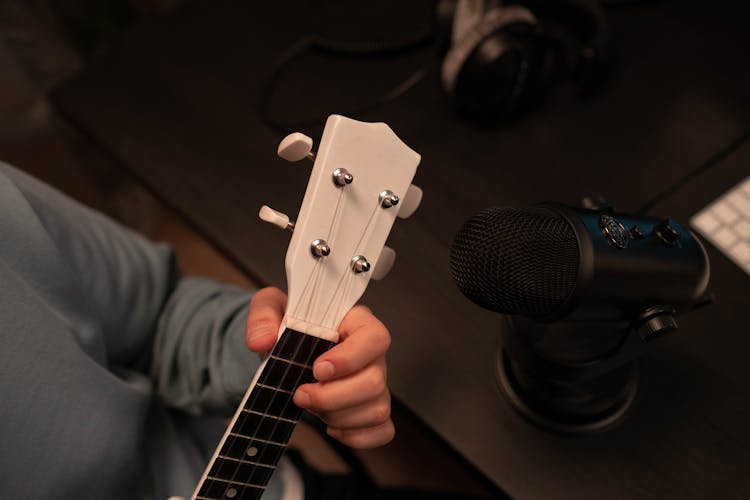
x=270 y=363
x=314 y=287
x=347 y=289
x=289 y=398
x=311 y=286
x=336 y=294
x=306 y=288
x=265 y=413
x=357 y=247
x=314 y=280
x=314 y=277
x=333 y=230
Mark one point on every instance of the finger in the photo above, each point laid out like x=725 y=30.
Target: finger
x=266 y=310
x=364 y=339
x=363 y=386
x=368 y=437
x=369 y=414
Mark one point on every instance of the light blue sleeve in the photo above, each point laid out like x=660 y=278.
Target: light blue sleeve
x=131 y=306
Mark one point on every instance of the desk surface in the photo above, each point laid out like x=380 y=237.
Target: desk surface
x=177 y=103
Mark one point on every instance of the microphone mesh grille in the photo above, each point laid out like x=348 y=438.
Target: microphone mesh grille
x=516 y=261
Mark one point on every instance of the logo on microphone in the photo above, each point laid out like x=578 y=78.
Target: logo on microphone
x=614 y=231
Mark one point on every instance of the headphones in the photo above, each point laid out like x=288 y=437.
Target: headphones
x=497 y=58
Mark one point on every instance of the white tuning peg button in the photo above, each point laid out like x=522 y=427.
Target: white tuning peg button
x=296 y=147
x=384 y=264
x=410 y=202
x=271 y=216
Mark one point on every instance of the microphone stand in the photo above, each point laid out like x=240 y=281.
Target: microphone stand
x=575 y=377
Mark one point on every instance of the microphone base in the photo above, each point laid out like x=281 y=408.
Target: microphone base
x=569 y=378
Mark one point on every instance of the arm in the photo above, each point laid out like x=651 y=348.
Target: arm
x=127 y=302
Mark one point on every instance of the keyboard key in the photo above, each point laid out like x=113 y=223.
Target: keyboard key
x=706 y=222
x=743 y=229
x=741 y=252
x=725 y=237
x=725 y=213
x=745 y=186
x=726 y=223
x=739 y=202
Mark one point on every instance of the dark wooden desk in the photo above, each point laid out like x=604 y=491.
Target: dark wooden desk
x=177 y=104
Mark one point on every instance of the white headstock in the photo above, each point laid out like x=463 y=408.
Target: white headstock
x=361 y=173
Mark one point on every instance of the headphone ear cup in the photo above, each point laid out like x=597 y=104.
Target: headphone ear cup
x=499 y=74
x=487 y=70
x=581 y=32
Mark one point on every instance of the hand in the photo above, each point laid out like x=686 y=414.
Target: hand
x=350 y=395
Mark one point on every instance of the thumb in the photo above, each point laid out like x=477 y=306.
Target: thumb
x=266 y=310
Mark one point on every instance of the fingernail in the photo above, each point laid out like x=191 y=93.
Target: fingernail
x=302 y=399
x=259 y=333
x=323 y=370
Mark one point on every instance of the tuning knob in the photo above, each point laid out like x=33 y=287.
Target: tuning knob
x=410 y=201
x=278 y=219
x=385 y=263
x=296 y=147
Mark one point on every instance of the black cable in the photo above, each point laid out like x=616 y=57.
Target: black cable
x=342 y=49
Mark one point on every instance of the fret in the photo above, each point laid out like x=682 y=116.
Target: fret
x=237 y=471
x=310 y=347
x=263 y=425
x=256 y=450
x=217 y=489
x=284 y=376
x=236 y=483
x=293 y=421
x=249 y=462
x=275 y=389
x=234 y=434
x=292 y=362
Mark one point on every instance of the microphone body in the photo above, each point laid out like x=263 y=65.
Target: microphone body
x=550 y=262
x=576 y=283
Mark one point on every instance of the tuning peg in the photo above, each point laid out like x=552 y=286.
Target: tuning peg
x=296 y=147
x=410 y=201
x=270 y=215
x=385 y=263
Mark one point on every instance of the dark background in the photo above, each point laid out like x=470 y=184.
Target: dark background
x=175 y=100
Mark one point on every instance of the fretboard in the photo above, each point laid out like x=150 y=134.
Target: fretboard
x=260 y=430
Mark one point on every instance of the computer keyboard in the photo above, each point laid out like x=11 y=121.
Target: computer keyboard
x=726 y=223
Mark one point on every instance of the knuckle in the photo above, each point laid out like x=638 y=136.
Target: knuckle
x=381 y=413
x=376 y=382
x=382 y=337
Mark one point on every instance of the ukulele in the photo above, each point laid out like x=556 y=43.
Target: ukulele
x=360 y=181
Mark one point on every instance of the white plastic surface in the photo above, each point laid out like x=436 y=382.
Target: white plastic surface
x=270 y=215
x=385 y=263
x=295 y=147
x=726 y=223
x=349 y=218
x=410 y=202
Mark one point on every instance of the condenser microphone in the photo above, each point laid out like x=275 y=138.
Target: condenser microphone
x=550 y=262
